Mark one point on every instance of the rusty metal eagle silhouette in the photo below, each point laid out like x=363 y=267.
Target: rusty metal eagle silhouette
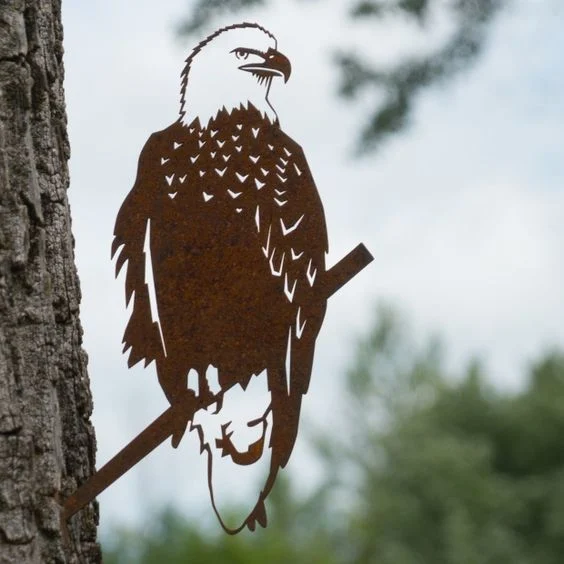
x=224 y=240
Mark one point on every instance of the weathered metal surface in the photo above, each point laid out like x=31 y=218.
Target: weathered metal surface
x=224 y=238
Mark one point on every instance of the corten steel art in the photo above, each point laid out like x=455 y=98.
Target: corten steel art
x=224 y=238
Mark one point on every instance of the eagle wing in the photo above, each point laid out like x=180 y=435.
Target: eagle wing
x=302 y=230
x=296 y=239
x=142 y=334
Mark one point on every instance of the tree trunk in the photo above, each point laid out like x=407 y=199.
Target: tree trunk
x=47 y=443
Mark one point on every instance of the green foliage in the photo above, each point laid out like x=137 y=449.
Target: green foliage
x=393 y=89
x=296 y=533
x=417 y=8
x=203 y=12
x=455 y=472
x=402 y=83
x=428 y=467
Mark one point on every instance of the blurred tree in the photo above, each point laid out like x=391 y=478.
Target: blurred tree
x=445 y=469
x=392 y=89
x=430 y=468
x=297 y=533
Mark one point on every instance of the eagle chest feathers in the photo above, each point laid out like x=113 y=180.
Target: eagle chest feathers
x=237 y=241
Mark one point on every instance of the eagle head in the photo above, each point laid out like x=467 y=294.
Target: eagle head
x=230 y=69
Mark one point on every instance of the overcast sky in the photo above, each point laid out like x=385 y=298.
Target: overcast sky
x=464 y=213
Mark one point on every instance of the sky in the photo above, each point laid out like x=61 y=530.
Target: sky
x=463 y=212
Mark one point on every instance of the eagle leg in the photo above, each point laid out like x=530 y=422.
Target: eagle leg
x=176 y=388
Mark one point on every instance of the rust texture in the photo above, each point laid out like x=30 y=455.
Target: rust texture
x=224 y=240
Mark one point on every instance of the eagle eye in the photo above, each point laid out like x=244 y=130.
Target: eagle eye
x=241 y=54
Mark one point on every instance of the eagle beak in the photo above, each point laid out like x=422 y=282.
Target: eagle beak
x=275 y=64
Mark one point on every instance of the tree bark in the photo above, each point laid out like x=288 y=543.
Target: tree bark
x=47 y=443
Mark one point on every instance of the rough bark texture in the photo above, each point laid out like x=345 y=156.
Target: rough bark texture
x=47 y=443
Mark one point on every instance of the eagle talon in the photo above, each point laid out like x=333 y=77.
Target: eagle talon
x=218 y=403
x=178 y=434
x=182 y=422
